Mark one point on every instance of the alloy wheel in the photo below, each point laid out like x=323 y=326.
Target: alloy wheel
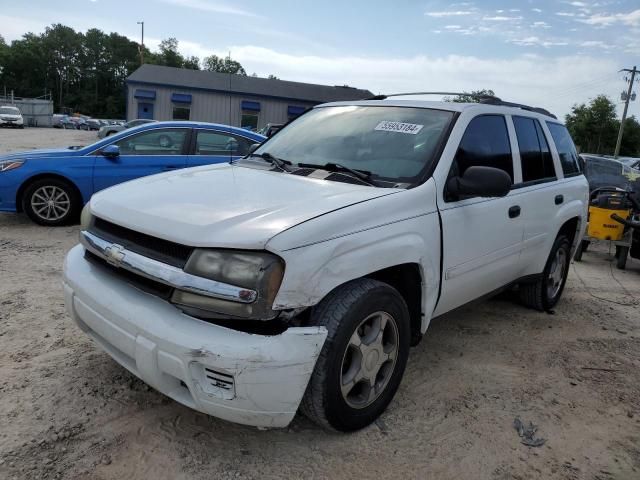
x=50 y=203
x=369 y=360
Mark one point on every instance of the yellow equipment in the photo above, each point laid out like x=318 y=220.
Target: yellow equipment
x=601 y=225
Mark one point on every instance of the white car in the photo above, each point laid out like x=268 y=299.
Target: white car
x=11 y=117
x=299 y=276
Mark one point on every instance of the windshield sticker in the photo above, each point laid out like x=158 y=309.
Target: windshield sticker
x=400 y=127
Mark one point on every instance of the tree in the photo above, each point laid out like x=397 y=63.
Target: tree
x=630 y=146
x=474 y=97
x=192 y=63
x=168 y=54
x=214 y=63
x=272 y=77
x=594 y=127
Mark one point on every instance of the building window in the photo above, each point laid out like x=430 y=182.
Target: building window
x=249 y=120
x=181 y=113
x=294 y=112
x=250 y=114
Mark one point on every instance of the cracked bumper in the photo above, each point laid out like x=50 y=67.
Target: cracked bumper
x=240 y=377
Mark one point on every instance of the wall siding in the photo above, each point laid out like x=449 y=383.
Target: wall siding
x=211 y=107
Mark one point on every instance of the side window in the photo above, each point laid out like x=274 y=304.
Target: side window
x=566 y=148
x=535 y=156
x=484 y=143
x=209 y=142
x=154 y=142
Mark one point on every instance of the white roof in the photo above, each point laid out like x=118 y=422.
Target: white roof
x=419 y=101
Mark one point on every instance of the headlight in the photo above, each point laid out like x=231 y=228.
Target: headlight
x=10 y=165
x=259 y=271
x=85 y=218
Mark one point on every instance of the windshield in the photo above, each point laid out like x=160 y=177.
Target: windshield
x=9 y=111
x=395 y=144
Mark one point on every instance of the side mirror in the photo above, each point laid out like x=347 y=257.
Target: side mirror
x=253 y=148
x=111 y=151
x=480 y=182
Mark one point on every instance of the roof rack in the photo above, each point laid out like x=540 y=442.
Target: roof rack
x=482 y=98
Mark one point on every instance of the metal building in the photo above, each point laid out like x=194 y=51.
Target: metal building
x=167 y=93
x=35 y=111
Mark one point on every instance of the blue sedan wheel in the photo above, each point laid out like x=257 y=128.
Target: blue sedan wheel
x=50 y=202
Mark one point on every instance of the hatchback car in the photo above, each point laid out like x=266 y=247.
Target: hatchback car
x=51 y=186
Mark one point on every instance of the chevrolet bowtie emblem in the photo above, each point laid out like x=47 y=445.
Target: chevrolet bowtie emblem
x=114 y=254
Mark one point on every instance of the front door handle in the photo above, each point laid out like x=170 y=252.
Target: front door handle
x=559 y=199
x=514 y=211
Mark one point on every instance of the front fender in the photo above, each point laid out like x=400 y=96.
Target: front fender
x=402 y=232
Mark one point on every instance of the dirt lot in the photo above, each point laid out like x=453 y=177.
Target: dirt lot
x=68 y=411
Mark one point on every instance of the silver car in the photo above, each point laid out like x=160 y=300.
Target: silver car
x=107 y=130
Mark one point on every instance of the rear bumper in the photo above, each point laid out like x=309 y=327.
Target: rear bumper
x=244 y=378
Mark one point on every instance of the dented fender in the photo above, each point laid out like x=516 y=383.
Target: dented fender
x=330 y=250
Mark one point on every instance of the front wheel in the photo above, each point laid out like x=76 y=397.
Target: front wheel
x=51 y=202
x=547 y=290
x=363 y=359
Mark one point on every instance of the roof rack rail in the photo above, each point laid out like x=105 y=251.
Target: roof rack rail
x=382 y=97
x=483 y=98
x=497 y=101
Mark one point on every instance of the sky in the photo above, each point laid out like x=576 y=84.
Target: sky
x=551 y=54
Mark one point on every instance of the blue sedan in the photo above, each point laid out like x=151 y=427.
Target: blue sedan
x=51 y=186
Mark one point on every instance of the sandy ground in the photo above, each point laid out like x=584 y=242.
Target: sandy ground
x=68 y=411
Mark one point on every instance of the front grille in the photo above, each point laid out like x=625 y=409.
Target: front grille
x=146 y=285
x=156 y=248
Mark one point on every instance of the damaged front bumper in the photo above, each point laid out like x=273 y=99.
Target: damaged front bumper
x=241 y=377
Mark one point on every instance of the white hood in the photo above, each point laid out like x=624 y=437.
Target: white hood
x=224 y=205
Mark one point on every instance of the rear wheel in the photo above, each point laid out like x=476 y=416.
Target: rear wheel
x=621 y=257
x=363 y=359
x=51 y=202
x=546 y=291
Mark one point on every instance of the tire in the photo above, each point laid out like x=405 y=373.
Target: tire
x=621 y=257
x=109 y=133
x=66 y=206
x=544 y=294
x=355 y=310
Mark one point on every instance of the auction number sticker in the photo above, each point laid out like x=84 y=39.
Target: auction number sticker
x=399 y=127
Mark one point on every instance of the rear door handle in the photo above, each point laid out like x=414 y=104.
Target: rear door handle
x=514 y=211
x=559 y=199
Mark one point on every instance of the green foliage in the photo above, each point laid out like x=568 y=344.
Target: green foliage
x=630 y=145
x=214 y=63
x=473 y=97
x=83 y=73
x=594 y=128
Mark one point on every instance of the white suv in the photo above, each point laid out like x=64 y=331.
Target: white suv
x=11 y=117
x=300 y=275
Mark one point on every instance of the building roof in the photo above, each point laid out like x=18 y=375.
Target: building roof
x=263 y=87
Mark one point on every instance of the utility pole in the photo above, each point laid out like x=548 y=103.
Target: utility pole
x=633 y=72
x=142 y=44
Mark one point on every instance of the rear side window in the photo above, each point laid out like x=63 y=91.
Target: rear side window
x=485 y=143
x=566 y=149
x=535 y=156
x=209 y=142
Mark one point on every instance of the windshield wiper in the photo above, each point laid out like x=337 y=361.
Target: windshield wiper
x=363 y=175
x=278 y=162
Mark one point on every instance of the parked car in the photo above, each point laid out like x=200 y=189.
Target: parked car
x=11 y=117
x=607 y=172
x=299 y=276
x=93 y=124
x=51 y=186
x=270 y=128
x=115 y=127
